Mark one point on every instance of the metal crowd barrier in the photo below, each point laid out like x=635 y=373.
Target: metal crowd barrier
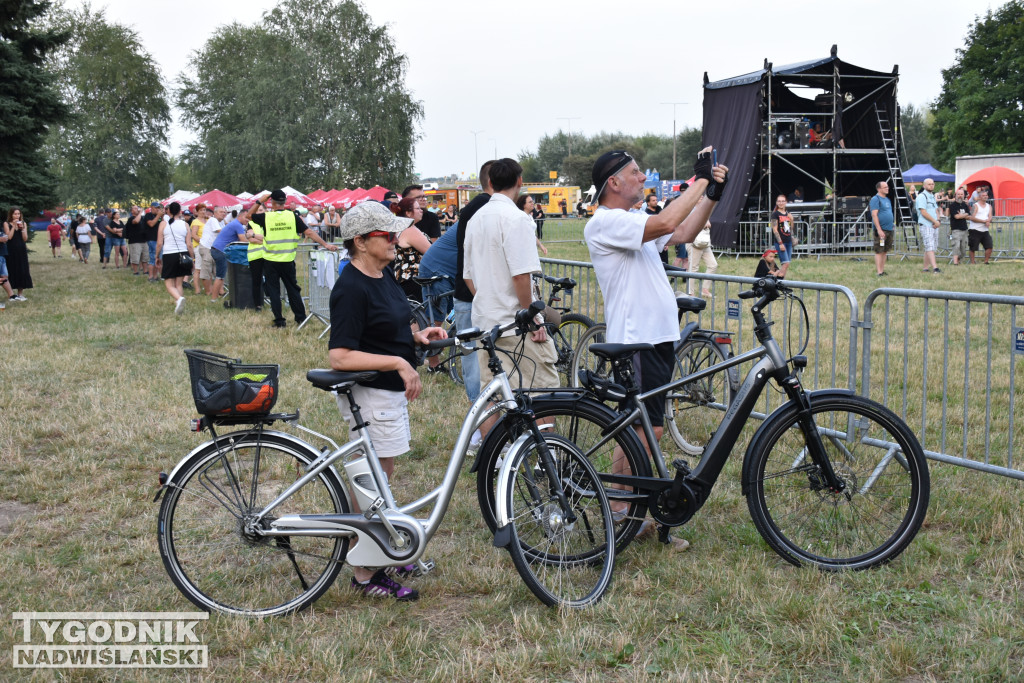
x=936 y=358
x=321 y=272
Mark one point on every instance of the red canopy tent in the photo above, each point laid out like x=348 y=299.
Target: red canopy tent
x=376 y=193
x=337 y=197
x=1007 y=186
x=214 y=198
x=358 y=195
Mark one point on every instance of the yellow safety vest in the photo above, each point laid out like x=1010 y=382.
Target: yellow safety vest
x=280 y=241
x=255 y=251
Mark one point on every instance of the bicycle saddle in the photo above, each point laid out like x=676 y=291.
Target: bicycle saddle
x=617 y=351
x=332 y=380
x=691 y=304
x=424 y=281
x=563 y=282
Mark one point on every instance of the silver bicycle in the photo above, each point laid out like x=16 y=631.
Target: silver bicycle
x=257 y=522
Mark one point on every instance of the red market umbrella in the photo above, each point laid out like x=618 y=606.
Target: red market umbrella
x=376 y=193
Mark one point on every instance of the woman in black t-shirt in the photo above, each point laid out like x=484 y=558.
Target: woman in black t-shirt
x=782 y=232
x=370 y=330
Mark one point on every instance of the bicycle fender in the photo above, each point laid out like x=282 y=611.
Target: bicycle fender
x=503 y=516
x=778 y=413
x=216 y=443
x=687 y=331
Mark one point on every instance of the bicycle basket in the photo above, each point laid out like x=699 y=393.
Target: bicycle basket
x=226 y=386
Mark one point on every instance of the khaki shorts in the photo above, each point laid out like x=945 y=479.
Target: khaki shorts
x=536 y=367
x=958 y=243
x=388 y=415
x=135 y=251
x=205 y=264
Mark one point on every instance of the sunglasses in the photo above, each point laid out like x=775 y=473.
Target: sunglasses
x=391 y=237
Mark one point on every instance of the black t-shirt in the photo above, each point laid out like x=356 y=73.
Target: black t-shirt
x=133 y=230
x=429 y=225
x=372 y=315
x=260 y=219
x=785 y=227
x=652 y=212
x=150 y=232
x=956 y=207
x=762 y=269
x=462 y=292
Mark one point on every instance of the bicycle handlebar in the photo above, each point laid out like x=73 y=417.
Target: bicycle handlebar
x=523 y=322
x=768 y=287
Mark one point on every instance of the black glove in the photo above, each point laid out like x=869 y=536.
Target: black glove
x=702 y=167
x=716 y=190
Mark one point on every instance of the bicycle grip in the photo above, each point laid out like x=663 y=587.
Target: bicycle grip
x=749 y=294
x=441 y=343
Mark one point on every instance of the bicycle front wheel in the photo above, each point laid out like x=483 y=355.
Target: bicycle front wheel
x=694 y=410
x=570 y=331
x=207 y=540
x=880 y=462
x=582 y=422
x=565 y=553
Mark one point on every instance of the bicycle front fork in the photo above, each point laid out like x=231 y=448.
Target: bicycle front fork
x=812 y=437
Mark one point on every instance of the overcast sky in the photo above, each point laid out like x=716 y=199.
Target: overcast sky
x=516 y=70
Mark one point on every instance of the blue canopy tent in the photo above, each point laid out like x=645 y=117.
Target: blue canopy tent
x=921 y=172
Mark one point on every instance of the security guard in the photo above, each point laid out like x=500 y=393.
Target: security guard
x=281 y=232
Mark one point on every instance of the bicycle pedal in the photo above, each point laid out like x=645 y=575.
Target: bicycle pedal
x=425 y=567
x=681 y=466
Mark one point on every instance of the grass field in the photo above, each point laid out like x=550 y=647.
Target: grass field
x=95 y=402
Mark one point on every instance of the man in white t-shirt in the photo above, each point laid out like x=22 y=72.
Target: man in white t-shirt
x=500 y=258
x=639 y=303
x=208 y=269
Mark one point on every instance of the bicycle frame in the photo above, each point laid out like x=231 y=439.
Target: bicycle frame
x=387 y=532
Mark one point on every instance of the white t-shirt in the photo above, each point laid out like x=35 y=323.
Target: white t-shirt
x=500 y=242
x=84 y=233
x=639 y=304
x=312 y=221
x=211 y=229
x=176 y=237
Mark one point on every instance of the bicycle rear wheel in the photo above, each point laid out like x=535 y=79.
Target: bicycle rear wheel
x=222 y=566
x=580 y=421
x=881 y=464
x=570 y=330
x=565 y=554
x=694 y=410
x=582 y=359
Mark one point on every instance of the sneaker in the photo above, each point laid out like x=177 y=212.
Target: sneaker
x=936 y=271
x=180 y=305
x=381 y=585
x=279 y=323
x=882 y=274
x=18 y=297
x=409 y=571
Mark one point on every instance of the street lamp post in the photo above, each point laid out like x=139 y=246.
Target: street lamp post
x=570 y=119
x=495 y=147
x=674 y=176
x=476 y=153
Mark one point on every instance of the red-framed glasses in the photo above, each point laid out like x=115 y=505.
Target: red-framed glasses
x=391 y=237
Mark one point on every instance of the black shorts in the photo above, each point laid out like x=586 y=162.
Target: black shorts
x=654 y=369
x=976 y=238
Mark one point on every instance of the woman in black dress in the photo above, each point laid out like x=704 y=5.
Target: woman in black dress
x=16 y=230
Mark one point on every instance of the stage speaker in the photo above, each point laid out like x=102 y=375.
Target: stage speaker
x=852 y=205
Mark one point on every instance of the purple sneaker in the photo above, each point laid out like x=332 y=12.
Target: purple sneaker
x=381 y=585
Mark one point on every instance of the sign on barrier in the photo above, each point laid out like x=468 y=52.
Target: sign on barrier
x=732 y=309
x=1018 y=340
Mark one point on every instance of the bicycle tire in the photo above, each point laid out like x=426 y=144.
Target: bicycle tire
x=454 y=358
x=581 y=421
x=571 y=328
x=418 y=318
x=566 y=564
x=582 y=359
x=694 y=410
x=869 y=523
x=208 y=556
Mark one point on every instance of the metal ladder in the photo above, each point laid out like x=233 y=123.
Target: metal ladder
x=901 y=199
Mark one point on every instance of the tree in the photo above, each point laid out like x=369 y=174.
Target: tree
x=111 y=147
x=321 y=113
x=29 y=103
x=981 y=108
x=916 y=144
